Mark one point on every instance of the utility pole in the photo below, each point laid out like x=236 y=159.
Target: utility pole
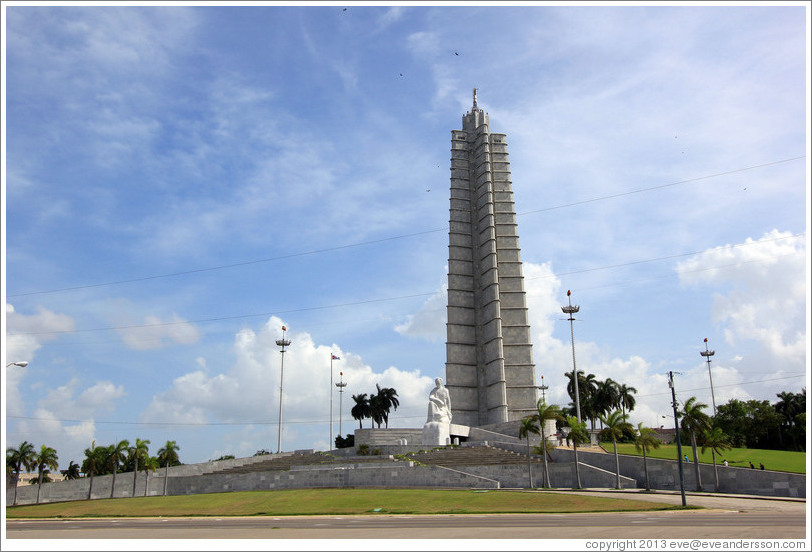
x=341 y=385
x=543 y=389
x=281 y=343
x=707 y=354
x=679 y=444
x=572 y=310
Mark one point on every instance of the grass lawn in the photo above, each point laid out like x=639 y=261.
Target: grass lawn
x=335 y=502
x=777 y=460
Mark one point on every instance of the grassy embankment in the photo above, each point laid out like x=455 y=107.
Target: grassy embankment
x=335 y=502
x=776 y=460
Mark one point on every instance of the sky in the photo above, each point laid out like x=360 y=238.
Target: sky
x=180 y=182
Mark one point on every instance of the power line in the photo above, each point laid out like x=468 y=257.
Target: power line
x=391 y=238
x=385 y=299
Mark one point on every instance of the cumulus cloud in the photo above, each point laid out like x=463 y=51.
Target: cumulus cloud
x=26 y=333
x=50 y=421
x=248 y=392
x=765 y=291
x=429 y=321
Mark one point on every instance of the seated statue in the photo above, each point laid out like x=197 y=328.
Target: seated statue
x=439 y=404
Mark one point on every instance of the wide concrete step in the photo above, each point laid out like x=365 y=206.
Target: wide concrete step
x=470 y=456
x=300 y=459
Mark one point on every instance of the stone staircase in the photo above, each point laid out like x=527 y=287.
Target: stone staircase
x=284 y=463
x=470 y=456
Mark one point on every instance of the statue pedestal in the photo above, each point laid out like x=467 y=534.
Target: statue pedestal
x=436 y=433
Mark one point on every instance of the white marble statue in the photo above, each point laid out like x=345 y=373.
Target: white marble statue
x=436 y=431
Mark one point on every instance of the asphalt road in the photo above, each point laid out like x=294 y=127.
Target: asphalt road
x=725 y=518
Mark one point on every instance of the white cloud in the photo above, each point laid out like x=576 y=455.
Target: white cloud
x=249 y=392
x=157 y=333
x=430 y=321
x=766 y=292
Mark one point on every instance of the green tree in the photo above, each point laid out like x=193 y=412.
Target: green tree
x=168 y=456
x=361 y=409
x=21 y=457
x=614 y=425
x=93 y=464
x=543 y=413
x=115 y=454
x=389 y=400
x=717 y=441
x=695 y=422
x=626 y=397
x=377 y=409
x=45 y=459
x=578 y=435
x=73 y=471
x=137 y=453
x=149 y=465
x=645 y=441
x=586 y=387
x=606 y=398
x=528 y=425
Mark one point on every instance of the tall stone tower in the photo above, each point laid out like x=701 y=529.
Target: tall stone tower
x=490 y=373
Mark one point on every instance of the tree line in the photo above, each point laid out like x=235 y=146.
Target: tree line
x=113 y=459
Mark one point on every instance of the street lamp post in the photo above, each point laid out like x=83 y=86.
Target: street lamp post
x=707 y=354
x=281 y=343
x=572 y=310
x=676 y=431
x=543 y=389
x=341 y=385
x=332 y=358
x=21 y=364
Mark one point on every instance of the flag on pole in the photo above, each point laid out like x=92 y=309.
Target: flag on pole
x=334 y=357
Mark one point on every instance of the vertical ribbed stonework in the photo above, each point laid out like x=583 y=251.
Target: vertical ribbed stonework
x=490 y=373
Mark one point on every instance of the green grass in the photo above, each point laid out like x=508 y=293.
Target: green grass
x=777 y=460
x=335 y=502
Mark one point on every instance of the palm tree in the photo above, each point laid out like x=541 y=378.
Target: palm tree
x=577 y=435
x=150 y=464
x=139 y=451
x=606 y=397
x=377 y=409
x=73 y=471
x=21 y=457
x=46 y=458
x=545 y=412
x=389 y=399
x=614 y=425
x=626 y=397
x=116 y=454
x=717 y=441
x=695 y=422
x=168 y=456
x=586 y=388
x=93 y=464
x=645 y=441
x=361 y=409
x=528 y=425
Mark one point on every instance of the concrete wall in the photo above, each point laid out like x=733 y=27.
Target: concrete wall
x=664 y=474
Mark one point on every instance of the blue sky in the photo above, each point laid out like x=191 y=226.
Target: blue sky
x=180 y=182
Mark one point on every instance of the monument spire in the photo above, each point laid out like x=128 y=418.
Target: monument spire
x=490 y=374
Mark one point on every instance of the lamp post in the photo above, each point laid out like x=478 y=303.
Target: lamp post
x=676 y=431
x=281 y=343
x=332 y=358
x=707 y=354
x=21 y=364
x=572 y=310
x=341 y=385
x=543 y=389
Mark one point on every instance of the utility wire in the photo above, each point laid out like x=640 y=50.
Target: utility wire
x=391 y=238
x=385 y=299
